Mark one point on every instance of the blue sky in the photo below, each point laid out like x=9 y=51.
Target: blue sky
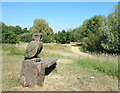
x=59 y=15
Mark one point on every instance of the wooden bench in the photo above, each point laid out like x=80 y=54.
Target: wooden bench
x=49 y=61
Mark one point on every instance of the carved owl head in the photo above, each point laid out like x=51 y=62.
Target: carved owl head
x=37 y=37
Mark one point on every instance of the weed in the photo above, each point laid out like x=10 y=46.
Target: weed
x=55 y=71
x=40 y=84
x=109 y=68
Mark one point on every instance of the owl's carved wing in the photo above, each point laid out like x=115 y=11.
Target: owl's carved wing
x=31 y=49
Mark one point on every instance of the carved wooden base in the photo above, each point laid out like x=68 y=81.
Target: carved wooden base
x=32 y=73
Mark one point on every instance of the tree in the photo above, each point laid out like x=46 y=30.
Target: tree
x=63 y=37
x=92 y=25
x=26 y=37
x=8 y=35
x=25 y=30
x=109 y=31
x=90 y=29
x=76 y=34
x=16 y=29
x=41 y=26
x=68 y=37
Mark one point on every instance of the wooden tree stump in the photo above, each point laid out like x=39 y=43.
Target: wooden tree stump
x=32 y=73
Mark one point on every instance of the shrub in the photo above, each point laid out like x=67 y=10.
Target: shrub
x=27 y=37
x=47 y=39
x=10 y=37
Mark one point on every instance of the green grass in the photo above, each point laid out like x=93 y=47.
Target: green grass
x=55 y=71
x=103 y=62
x=11 y=49
x=11 y=71
x=48 y=54
x=110 y=68
x=54 y=46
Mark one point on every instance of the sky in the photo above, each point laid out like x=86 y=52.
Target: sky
x=59 y=15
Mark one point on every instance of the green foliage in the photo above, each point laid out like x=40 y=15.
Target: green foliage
x=17 y=29
x=46 y=39
x=92 y=42
x=76 y=34
x=60 y=37
x=41 y=26
x=26 y=37
x=63 y=37
x=25 y=30
x=68 y=37
x=11 y=34
x=109 y=30
x=10 y=37
x=99 y=34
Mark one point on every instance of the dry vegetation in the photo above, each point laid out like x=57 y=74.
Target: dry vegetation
x=75 y=70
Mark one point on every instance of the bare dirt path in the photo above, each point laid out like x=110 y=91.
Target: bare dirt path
x=75 y=49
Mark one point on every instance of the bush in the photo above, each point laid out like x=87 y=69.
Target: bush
x=27 y=37
x=93 y=43
x=47 y=39
x=10 y=37
x=63 y=37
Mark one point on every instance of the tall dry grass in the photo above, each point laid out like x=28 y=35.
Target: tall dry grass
x=105 y=63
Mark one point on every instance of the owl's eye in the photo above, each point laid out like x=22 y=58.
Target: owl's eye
x=36 y=35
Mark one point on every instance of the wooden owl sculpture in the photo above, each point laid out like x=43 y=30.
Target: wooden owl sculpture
x=34 y=47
